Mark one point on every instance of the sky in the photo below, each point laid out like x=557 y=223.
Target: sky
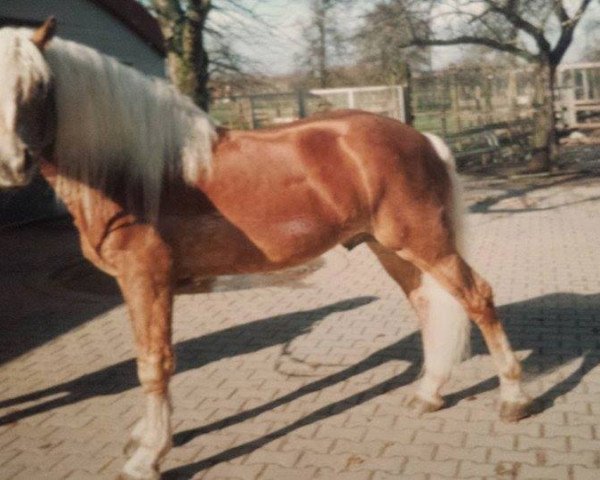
x=273 y=48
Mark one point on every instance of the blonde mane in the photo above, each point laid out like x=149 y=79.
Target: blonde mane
x=115 y=121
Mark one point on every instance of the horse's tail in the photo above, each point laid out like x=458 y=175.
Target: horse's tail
x=447 y=317
x=457 y=207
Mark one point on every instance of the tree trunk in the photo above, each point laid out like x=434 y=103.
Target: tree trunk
x=544 y=140
x=187 y=59
x=322 y=45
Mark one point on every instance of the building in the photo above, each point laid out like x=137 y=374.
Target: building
x=123 y=29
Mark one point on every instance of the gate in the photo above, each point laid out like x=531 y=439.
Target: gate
x=578 y=95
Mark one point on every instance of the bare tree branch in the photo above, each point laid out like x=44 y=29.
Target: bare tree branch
x=518 y=21
x=466 y=39
x=567 y=32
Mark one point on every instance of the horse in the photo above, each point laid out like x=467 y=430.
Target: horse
x=159 y=194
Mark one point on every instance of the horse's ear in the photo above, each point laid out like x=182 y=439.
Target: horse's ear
x=44 y=34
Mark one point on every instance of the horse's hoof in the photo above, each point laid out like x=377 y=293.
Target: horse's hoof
x=421 y=406
x=514 y=411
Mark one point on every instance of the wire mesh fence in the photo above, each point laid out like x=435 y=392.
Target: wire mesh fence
x=264 y=110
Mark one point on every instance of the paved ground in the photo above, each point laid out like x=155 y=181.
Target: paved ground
x=309 y=381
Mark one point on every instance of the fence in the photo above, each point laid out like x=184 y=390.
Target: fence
x=256 y=111
x=457 y=100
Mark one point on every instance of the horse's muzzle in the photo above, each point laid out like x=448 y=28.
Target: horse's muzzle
x=20 y=176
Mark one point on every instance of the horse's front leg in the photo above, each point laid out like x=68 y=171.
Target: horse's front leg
x=145 y=278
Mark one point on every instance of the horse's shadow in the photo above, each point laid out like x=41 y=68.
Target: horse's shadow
x=190 y=354
x=557 y=329
x=535 y=325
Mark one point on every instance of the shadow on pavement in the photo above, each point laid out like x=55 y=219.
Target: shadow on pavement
x=563 y=321
x=190 y=354
x=34 y=309
x=520 y=187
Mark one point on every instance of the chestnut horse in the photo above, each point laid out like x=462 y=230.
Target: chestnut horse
x=159 y=194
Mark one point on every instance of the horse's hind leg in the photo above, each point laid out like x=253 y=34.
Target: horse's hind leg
x=475 y=295
x=444 y=326
x=144 y=275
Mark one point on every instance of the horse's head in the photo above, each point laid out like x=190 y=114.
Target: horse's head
x=27 y=113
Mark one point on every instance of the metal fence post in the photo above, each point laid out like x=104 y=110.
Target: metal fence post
x=301 y=104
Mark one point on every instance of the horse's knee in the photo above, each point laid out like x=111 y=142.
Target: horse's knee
x=154 y=372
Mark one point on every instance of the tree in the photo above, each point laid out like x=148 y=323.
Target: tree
x=189 y=32
x=539 y=31
x=323 y=39
x=183 y=24
x=592 y=39
x=381 y=44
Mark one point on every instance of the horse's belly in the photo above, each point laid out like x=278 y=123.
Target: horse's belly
x=210 y=245
x=295 y=239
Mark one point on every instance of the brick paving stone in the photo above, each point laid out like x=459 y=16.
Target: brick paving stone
x=474 y=470
x=480 y=427
x=81 y=475
x=7 y=456
x=370 y=449
x=493 y=441
x=8 y=472
x=578 y=444
x=28 y=473
x=576 y=419
x=354 y=433
x=447 y=468
x=315 y=445
x=555 y=472
x=365 y=475
x=449 y=439
x=393 y=476
x=275 y=472
x=444 y=452
x=379 y=434
x=369 y=464
x=336 y=462
x=558 y=444
x=583 y=473
x=526 y=427
x=588 y=459
x=241 y=472
x=283 y=459
x=532 y=456
x=423 y=452
x=585 y=432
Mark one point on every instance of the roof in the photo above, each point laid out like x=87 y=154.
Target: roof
x=137 y=18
